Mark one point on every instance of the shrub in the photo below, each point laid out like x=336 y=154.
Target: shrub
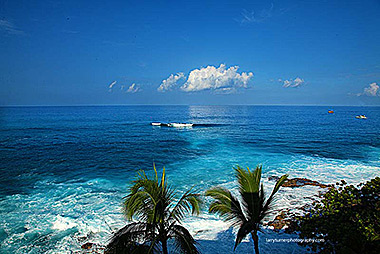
x=347 y=218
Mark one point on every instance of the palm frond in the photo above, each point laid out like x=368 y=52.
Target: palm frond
x=226 y=205
x=141 y=201
x=132 y=237
x=183 y=241
x=264 y=211
x=155 y=171
x=267 y=207
x=163 y=178
x=251 y=204
x=136 y=204
x=148 y=198
x=248 y=214
x=151 y=201
x=140 y=182
x=262 y=195
x=188 y=203
x=244 y=230
x=279 y=183
x=248 y=181
x=249 y=187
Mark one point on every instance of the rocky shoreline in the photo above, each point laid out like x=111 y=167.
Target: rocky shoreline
x=284 y=218
x=299 y=182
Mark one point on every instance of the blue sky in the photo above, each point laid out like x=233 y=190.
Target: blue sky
x=189 y=52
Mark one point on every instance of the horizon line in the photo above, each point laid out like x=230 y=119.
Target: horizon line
x=105 y=105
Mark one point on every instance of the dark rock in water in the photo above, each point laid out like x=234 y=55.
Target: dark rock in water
x=299 y=182
x=201 y=231
x=87 y=246
x=280 y=220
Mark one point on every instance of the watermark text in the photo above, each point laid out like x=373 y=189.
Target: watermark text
x=293 y=240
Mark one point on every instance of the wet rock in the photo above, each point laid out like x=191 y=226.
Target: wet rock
x=87 y=246
x=202 y=231
x=299 y=182
x=280 y=221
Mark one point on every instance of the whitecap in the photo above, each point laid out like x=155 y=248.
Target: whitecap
x=63 y=223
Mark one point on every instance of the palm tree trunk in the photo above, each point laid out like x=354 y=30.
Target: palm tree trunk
x=164 y=247
x=255 y=241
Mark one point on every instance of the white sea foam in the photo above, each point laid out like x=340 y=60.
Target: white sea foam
x=62 y=223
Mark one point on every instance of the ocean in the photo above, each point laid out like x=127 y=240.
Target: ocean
x=65 y=170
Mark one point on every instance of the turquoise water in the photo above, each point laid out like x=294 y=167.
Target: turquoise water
x=65 y=170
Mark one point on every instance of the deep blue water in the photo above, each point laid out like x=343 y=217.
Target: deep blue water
x=64 y=170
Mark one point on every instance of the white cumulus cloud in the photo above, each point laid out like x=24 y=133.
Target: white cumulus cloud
x=133 y=88
x=292 y=82
x=171 y=81
x=216 y=78
x=220 y=79
x=372 y=90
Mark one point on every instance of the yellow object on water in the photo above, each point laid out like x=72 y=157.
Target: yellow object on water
x=331 y=111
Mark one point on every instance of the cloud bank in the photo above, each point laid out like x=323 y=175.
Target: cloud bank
x=372 y=90
x=220 y=79
x=292 y=82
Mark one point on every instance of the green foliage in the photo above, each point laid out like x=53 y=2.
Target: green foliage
x=155 y=215
x=347 y=219
x=249 y=213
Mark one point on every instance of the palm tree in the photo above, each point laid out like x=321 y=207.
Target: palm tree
x=155 y=215
x=248 y=213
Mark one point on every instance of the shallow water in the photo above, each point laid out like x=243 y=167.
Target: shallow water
x=65 y=170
